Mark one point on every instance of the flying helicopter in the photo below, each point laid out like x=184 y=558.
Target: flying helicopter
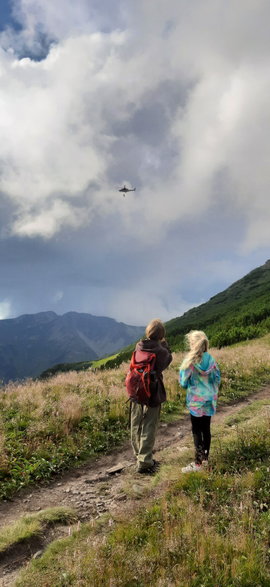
x=125 y=190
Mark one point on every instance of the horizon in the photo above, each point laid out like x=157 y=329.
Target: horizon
x=121 y=321
x=67 y=312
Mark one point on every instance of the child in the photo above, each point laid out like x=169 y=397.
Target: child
x=144 y=419
x=200 y=376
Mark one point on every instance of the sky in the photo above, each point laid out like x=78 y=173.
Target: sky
x=171 y=97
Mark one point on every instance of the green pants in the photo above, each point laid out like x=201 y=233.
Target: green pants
x=143 y=428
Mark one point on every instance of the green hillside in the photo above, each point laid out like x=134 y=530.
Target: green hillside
x=240 y=312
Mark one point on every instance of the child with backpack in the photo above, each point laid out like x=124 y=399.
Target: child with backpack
x=145 y=387
x=200 y=376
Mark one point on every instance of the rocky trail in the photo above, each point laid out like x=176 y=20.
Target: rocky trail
x=95 y=488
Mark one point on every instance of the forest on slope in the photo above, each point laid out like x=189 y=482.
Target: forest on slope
x=240 y=312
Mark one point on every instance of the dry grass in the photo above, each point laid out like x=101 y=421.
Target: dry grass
x=72 y=392
x=49 y=425
x=69 y=396
x=70 y=410
x=245 y=356
x=3 y=454
x=204 y=529
x=209 y=529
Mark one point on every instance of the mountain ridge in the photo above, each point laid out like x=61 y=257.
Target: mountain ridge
x=227 y=315
x=31 y=343
x=238 y=313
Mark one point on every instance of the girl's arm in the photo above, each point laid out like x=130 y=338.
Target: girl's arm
x=217 y=374
x=184 y=376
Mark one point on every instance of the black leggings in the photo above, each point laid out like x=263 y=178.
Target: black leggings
x=201 y=436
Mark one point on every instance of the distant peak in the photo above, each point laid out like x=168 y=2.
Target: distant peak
x=49 y=314
x=73 y=313
x=39 y=315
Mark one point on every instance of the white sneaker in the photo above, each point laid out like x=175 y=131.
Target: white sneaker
x=192 y=468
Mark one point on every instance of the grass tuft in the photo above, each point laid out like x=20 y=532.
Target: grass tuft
x=32 y=525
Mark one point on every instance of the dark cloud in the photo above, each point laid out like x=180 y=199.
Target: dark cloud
x=145 y=138
x=82 y=271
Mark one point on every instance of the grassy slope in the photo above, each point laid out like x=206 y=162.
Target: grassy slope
x=202 y=529
x=245 y=303
x=48 y=426
x=106 y=362
x=241 y=312
x=32 y=525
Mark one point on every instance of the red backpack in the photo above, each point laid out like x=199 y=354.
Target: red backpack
x=141 y=376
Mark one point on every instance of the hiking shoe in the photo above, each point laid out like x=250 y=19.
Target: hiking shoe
x=192 y=468
x=149 y=470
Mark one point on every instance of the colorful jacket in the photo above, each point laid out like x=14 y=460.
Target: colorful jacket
x=201 y=382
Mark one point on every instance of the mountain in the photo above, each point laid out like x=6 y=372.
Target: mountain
x=240 y=312
x=31 y=343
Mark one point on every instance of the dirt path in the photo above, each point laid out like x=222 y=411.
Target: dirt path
x=94 y=489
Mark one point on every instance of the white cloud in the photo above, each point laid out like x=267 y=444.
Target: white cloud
x=48 y=221
x=137 y=305
x=59 y=116
x=5 y=309
x=58 y=296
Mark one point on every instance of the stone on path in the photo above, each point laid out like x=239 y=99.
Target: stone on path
x=97 y=479
x=38 y=554
x=116 y=469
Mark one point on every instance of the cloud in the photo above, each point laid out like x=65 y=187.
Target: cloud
x=132 y=305
x=37 y=24
x=58 y=296
x=5 y=309
x=48 y=221
x=140 y=307
x=168 y=96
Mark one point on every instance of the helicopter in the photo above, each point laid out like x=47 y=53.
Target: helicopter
x=124 y=190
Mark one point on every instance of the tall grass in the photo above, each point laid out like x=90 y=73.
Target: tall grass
x=47 y=426
x=50 y=425
x=206 y=529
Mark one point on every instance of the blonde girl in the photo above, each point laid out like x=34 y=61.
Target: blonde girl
x=200 y=376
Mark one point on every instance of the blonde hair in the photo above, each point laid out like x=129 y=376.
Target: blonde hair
x=155 y=330
x=198 y=343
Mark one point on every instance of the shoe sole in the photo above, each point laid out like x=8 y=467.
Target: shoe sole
x=147 y=472
x=150 y=470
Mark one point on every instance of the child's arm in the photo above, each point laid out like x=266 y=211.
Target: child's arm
x=184 y=376
x=217 y=374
